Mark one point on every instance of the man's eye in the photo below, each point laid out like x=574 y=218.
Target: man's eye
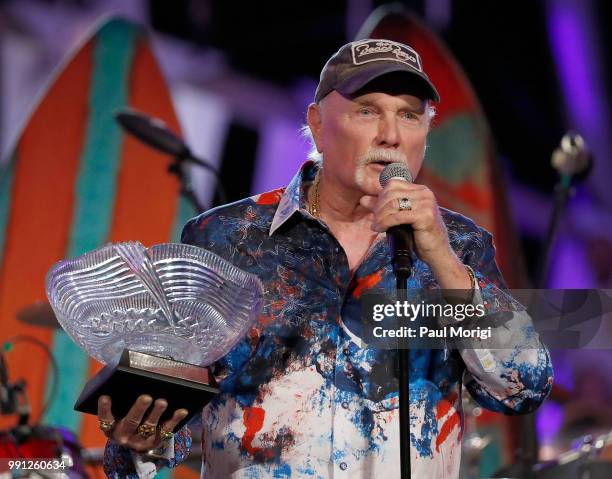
x=408 y=115
x=365 y=111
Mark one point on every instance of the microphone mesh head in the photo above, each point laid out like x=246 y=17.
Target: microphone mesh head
x=395 y=170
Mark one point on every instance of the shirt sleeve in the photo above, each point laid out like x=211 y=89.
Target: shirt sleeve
x=122 y=462
x=516 y=378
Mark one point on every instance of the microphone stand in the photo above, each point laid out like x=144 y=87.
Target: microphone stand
x=563 y=191
x=401 y=244
x=403 y=372
x=176 y=168
x=573 y=162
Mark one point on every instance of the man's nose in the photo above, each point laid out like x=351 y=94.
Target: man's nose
x=388 y=133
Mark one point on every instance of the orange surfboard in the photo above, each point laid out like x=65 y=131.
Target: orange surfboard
x=75 y=182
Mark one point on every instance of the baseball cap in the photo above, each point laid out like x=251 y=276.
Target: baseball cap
x=357 y=63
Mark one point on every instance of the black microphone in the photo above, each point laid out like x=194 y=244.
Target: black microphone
x=399 y=237
x=572 y=158
x=152 y=131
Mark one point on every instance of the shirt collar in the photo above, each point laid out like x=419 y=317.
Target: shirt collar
x=294 y=196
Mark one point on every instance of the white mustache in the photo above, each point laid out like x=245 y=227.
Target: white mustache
x=382 y=154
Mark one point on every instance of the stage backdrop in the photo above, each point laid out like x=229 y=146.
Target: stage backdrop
x=76 y=182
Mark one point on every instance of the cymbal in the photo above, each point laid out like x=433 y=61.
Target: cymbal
x=40 y=314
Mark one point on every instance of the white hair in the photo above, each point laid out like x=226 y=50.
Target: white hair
x=314 y=155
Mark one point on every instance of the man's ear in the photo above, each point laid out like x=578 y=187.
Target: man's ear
x=314 y=120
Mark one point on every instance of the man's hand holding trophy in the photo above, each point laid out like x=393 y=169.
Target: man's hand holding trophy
x=156 y=318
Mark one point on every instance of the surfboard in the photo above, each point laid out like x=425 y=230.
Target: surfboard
x=74 y=182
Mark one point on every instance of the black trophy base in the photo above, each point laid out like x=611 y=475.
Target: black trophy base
x=181 y=385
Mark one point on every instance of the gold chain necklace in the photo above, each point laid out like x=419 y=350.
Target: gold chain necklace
x=314 y=204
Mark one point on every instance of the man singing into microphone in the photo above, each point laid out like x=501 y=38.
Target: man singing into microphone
x=301 y=395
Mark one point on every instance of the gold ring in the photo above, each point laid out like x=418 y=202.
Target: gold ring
x=147 y=430
x=106 y=426
x=165 y=435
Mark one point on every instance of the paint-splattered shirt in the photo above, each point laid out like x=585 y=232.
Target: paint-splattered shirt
x=300 y=395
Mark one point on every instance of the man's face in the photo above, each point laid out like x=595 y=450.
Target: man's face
x=358 y=136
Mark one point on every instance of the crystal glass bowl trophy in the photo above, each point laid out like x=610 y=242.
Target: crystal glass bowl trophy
x=155 y=317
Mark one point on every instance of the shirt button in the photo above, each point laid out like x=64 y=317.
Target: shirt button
x=346 y=351
x=345 y=405
x=337 y=250
x=343 y=466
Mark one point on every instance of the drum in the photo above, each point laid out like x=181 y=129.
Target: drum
x=588 y=460
x=576 y=469
x=42 y=442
